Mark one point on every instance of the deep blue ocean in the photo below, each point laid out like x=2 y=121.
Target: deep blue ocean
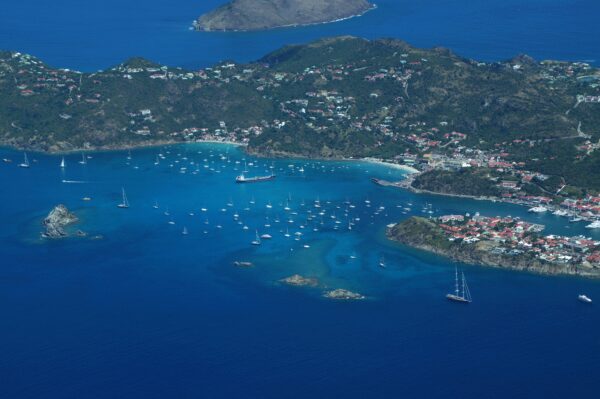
x=148 y=312
x=94 y=35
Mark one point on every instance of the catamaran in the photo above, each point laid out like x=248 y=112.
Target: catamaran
x=124 y=203
x=25 y=163
x=460 y=295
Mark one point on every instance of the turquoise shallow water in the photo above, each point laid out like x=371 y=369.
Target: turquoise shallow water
x=149 y=312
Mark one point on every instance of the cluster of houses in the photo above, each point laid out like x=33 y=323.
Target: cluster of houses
x=588 y=206
x=32 y=77
x=514 y=236
x=588 y=99
x=557 y=71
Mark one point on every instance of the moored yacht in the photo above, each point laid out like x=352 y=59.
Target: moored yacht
x=538 y=209
x=25 y=163
x=124 y=203
x=256 y=241
x=243 y=179
x=584 y=298
x=460 y=295
x=594 y=225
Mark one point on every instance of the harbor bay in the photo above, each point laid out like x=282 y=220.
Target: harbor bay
x=136 y=274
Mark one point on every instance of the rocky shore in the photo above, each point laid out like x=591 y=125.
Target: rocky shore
x=300 y=281
x=341 y=294
x=56 y=221
x=426 y=235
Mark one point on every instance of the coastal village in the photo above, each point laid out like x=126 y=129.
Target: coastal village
x=422 y=145
x=516 y=237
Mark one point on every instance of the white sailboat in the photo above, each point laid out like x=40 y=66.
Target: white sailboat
x=460 y=295
x=25 y=163
x=83 y=160
x=256 y=240
x=124 y=203
x=63 y=163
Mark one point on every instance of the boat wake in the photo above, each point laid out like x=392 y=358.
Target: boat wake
x=74 y=181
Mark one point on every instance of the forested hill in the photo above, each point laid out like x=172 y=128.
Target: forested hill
x=335 y=97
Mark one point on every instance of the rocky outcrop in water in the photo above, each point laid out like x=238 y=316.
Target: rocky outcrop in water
x=55 y=222
x=342 y=294
x=300 y=281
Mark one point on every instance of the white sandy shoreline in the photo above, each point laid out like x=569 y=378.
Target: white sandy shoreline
x=405 y=168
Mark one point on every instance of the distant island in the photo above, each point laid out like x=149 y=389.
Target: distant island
x=503 y=242
x=248 y=15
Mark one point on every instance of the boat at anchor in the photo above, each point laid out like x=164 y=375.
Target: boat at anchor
x=243 y=179
x=460 y=295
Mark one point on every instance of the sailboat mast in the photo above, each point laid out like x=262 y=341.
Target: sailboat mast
x=456 y=281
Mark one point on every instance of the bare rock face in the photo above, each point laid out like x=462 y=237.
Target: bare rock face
x=344 y=295
x=247 y=15
x=57 y=219
x=300 y=281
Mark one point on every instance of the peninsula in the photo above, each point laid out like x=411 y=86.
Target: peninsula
x=503 y=242
x=248 y=15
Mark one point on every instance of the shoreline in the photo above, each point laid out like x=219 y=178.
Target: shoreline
x=468 y=254
x=382 y=162
x=410 y=170
x=123 y=147
x=196 y=29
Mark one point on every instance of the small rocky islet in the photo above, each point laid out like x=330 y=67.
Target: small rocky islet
x=342 y=294
x=298 y=280
x=56 y=221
